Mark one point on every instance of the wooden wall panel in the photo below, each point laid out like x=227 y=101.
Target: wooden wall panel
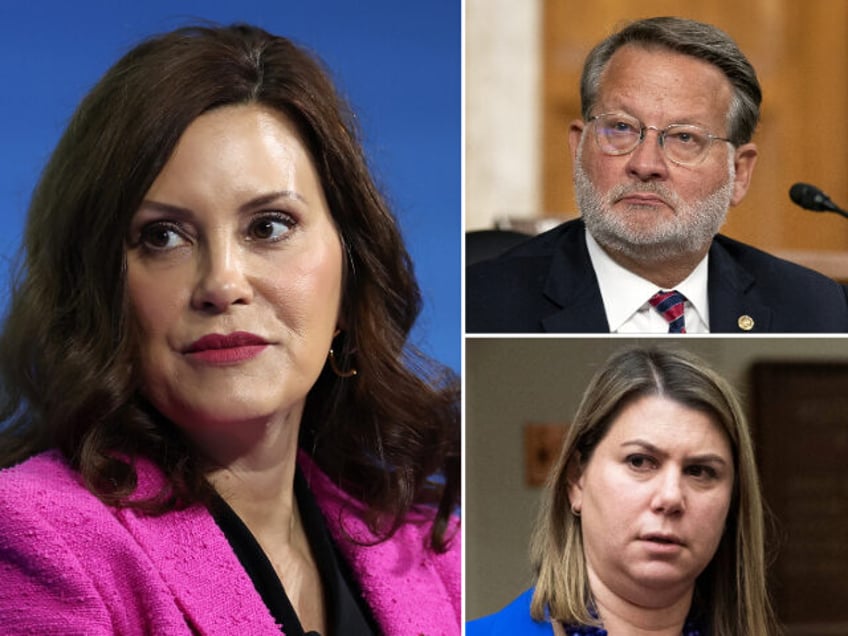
x=800 y=51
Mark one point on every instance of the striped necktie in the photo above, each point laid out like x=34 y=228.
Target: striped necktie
x=670 y=306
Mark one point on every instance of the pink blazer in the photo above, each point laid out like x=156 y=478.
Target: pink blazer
x=71 y=565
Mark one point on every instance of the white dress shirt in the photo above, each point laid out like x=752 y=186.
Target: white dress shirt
x=626 y=296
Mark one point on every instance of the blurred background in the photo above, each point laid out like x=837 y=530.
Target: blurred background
x=399 y=64
x=523 y=63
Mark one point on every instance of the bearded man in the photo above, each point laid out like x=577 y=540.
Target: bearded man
x=664 y=149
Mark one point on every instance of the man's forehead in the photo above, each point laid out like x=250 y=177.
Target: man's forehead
x=645 y=55
x=660 y=81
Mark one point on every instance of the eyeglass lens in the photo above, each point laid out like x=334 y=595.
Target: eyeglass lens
x=682 y=143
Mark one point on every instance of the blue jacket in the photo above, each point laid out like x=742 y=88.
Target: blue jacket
x=511 y=620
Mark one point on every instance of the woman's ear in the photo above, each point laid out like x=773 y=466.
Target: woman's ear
x=574 y=479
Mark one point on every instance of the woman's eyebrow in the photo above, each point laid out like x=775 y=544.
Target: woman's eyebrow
x=257 y=201
x=707 y=458
x=698 y=458
x=648 y=446
x=270 y=197
x=165 y=208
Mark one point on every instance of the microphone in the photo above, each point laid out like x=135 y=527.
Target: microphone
x=810 y=197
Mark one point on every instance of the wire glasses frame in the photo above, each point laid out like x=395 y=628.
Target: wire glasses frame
x=683 y=144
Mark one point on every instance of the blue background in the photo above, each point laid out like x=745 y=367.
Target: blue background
x=398 y=63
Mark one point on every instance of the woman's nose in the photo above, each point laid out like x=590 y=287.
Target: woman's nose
x=669 y=497
x=222 y=280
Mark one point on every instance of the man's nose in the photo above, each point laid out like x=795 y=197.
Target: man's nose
x=647 y=161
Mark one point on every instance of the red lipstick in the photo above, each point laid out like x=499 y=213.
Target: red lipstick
x=232 y=348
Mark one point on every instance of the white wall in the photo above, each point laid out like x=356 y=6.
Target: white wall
x=502 y=110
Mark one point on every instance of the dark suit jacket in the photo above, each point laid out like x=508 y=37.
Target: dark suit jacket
x=547 y=284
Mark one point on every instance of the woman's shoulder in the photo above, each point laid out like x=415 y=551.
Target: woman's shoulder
x=44 y=479
x=513 y=619
x=49 y=526
x=335 y=502
x=347 y=518
x=43 y=501
x=403 y=580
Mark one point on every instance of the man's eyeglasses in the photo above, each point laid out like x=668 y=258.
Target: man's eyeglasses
x=684 y=144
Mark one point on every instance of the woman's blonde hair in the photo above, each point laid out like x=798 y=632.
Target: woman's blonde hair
x=730 y=595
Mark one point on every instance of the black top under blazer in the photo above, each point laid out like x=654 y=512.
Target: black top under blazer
x=547 y=284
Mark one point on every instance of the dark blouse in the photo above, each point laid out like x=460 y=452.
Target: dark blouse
x=347 y=612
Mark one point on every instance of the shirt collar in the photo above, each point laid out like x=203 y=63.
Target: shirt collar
x=624 y=293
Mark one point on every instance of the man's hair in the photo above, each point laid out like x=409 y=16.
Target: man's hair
x=68 y=351
x=689 y=37
x=731 y=592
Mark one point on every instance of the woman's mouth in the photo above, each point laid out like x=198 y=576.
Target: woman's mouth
x=232 y=348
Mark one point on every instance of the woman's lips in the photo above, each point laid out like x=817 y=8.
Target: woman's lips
x=231 y=348
x=662 y=543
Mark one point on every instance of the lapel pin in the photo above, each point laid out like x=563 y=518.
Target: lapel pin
x=745 y=322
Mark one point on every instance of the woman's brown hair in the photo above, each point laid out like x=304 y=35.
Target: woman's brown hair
x=389 y=435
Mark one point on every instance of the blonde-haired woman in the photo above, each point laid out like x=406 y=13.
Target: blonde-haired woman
x=653 y=521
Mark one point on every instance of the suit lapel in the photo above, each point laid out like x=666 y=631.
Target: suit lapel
x=195 y=561
x=734 y=307
x=572 y=285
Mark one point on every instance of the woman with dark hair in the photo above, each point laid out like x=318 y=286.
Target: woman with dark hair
x=213 y=422
x=653 y=520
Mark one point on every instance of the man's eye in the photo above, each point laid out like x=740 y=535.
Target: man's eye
x=686 y=138
x=623 y=127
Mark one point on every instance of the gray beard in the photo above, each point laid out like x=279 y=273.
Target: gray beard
x=689 y=232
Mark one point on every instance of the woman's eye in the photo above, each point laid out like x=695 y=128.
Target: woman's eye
x=702 y=472
x=640 y=462
x=270 y=228
x=161 y=236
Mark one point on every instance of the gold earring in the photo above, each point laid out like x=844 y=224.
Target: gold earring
x=342 y=374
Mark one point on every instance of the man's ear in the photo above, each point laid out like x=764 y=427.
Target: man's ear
x=745 y=159
x=575 y=132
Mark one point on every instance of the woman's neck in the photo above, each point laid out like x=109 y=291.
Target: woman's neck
x=654 y=614
x=258 y=484
x=254 y=473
